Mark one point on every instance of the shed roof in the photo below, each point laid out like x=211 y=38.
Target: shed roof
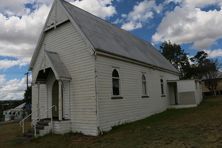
x=21 y=106
x=108 y=38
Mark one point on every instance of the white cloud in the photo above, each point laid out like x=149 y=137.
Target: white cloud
x=195 y=3
x=141 y=14
x=12 y=89
x=11 y=7
x=18 y=35
x=214 y=53
x=6 y=63
x=100 y=8
x=131 y=26
x=201 y=3
x=190 y=25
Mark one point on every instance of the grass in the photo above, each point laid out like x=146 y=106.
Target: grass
x=195 y=127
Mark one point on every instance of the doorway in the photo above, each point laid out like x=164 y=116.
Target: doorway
x=173 y=93
x=55 y=99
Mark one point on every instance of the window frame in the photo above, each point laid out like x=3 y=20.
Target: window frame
x=162 y=87
x=116 y=78
x=144 y=86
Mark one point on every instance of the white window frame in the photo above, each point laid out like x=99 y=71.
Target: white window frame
x=162 y=89
x=144 y=83
x=119 y=78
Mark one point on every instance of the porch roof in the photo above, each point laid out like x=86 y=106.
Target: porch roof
x=58 y=66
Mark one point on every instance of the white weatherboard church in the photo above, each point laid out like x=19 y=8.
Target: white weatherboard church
x=89 y=75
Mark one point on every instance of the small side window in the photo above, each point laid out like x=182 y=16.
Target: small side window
x=144 y=89
x=115 y=83
x=162 y=87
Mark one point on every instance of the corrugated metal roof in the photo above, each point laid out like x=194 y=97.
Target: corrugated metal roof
x=58 y=65
x=21 y=106
x=107 y=37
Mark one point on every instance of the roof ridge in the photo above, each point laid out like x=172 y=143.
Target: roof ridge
x=107 y=22
x=110 y=38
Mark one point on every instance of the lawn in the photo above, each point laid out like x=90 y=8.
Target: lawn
x=195 y=127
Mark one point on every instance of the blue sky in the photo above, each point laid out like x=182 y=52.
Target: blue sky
x=195 y=25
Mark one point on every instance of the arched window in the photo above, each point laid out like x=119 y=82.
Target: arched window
x=115 y=82
x=144 y=85
x=162 y=86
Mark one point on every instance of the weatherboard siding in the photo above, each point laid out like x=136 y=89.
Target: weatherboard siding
x=132 y=107
x=34 y=101
x=66 y=100
x=43 y=103
x=39 y=101
x=74 y=53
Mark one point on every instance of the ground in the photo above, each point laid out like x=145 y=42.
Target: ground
x=184 y=128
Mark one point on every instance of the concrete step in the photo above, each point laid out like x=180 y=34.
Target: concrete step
x=30 y=133
x=43 y=127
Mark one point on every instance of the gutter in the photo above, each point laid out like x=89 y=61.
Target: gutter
x=126 y=59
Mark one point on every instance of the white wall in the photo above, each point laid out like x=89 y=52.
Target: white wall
x=43 y=103
x=186 y=85
x=132 y=107
x=189 y=92
x=198 y=93
x=39 y=101
x=34 y=101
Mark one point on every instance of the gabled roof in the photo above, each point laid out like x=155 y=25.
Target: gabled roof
x=58 y=66
x=108 y=38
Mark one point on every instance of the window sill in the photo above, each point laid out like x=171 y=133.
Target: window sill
x=163 y=95
x=116 y=97
x=144 y=96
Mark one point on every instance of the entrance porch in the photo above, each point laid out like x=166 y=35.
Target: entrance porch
x=51 y=89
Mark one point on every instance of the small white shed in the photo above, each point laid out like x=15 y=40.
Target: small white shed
x=16 y=113
x=184 y=93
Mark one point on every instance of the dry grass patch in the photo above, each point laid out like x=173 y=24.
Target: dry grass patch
x=190 y=128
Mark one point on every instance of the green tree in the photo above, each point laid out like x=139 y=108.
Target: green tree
x=28 y=95
x=212 y=67
x=199 y=65
x=176 y=55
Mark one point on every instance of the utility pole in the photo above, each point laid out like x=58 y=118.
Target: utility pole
x=27 y=80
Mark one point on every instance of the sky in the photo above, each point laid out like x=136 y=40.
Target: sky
x=195 y=25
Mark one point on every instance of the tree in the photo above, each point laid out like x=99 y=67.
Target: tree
x=211 y=72
x=199 y=64
x=176 y=55
x=28 y=99
x=207 y=69
x=28 y=95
